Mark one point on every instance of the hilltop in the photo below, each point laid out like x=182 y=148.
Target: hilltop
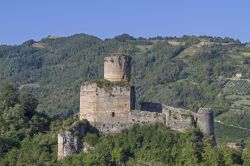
x=188 y=72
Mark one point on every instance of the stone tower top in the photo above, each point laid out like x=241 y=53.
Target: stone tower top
x=205 y=111
x=117 y=67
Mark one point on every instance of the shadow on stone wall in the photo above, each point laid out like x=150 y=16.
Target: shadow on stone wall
x=151 y=107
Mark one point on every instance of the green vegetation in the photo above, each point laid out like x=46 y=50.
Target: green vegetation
x=225 y=133
x=20 y=122
x=142 y=144
x=239 y=87
x=55 y=72
x=236 y=118
x=102 y=83
x=188 y=75
x=187 y=114
x=237 y=92
x=29 y=138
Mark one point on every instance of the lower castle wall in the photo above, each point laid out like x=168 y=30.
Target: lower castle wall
x=111 y=127
x=178 y=119
x=145 y=117
x=134 y=117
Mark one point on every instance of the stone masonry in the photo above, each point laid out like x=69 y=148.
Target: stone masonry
x=109 y=106
x=117 y=67
x=67 y=144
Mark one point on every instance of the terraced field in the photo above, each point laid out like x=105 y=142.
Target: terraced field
x=237 y=87
x=238 y=92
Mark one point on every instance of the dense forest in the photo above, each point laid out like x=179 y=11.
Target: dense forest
x=40 y=82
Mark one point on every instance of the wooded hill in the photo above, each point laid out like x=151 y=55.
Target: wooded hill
x=188 y=72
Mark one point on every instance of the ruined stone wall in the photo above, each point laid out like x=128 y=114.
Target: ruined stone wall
x=67 y=144
x=108 y=108
x=181 y=119
x=114 y=127
x=117 y=68
x=146 y=117
x=178 y=119
x=205 y=120
x=134 y=117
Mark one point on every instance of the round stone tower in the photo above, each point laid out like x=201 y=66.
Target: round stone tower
x=117 y=67
x=205 y=120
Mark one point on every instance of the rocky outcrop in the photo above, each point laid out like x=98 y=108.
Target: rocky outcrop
x=178 y=119
x=69 y=140
x=87 y=148
x=68 y=144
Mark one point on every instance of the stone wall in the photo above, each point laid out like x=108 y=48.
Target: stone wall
x=205 y=120
x=178 y=119
x=67 y=144
x=113 y=104
x=146 y=117
x=69 y=140
x=134 y=117
x=104 y=106
x=109 y=107
x=117 y=67
x=88 y=101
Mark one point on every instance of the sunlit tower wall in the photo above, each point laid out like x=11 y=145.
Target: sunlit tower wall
x=117 y=67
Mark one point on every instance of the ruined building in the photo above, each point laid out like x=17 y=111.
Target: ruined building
x=109 y=106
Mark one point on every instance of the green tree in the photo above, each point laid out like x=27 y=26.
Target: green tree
x=246 y=154
x=117 y=155
x=29 y=103
x=8 y=95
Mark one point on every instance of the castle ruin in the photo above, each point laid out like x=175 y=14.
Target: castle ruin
x=109 y=106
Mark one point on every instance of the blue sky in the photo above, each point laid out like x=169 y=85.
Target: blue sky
x=22 y=20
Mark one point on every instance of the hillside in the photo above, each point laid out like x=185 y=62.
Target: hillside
x=29 y=137
x=188 y=72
